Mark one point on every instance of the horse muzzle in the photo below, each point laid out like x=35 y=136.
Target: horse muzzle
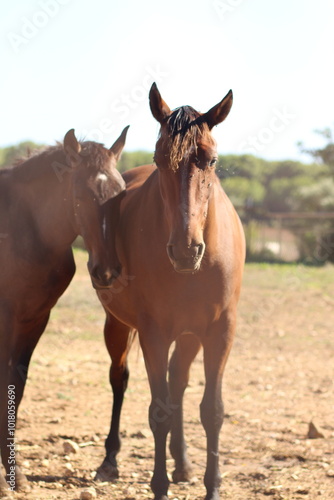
x=186 y=260
x=104 y=278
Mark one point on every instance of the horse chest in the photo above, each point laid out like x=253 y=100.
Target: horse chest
x=179 y=304
x=36 y=288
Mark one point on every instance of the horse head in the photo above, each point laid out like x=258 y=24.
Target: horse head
x=97 y=189
x=186 y=155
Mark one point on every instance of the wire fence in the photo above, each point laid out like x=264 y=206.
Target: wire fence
x=289 y=237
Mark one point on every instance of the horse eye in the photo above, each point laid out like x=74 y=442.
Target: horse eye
x=213 y=162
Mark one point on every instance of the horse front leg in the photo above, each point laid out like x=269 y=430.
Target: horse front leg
x=217 y=345
x=186 y=348
x=118 y=340
x=19 y=350
x=155 y=349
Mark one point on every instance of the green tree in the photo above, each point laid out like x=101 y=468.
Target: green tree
x=134 y=159
x=247 y=166
x=10 y=154
x=324 y=155
x=243 y=191
x=320 y=195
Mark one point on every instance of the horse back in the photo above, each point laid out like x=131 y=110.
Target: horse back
x=137 y=176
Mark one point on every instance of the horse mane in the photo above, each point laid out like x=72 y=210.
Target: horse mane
x=96 y=155
x=184 y=128
x=28 y=167
x=32 y=154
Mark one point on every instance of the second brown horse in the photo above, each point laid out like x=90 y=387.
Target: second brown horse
x=45 y=202
x=182 y=249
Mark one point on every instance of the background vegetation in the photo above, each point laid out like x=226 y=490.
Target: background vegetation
x=258 y=188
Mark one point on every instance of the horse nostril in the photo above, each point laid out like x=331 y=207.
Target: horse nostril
x=94 y=272
x=194 y=252
x=105 y=277
x=116 y=272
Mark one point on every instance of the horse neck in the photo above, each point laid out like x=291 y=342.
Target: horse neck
x=44 y=190
x=218 y=222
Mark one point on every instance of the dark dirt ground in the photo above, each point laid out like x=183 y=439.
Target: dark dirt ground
x=279 y=378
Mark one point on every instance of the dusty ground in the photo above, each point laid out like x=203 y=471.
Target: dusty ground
x=278 y=379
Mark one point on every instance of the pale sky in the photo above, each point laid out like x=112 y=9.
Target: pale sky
x=89 y=65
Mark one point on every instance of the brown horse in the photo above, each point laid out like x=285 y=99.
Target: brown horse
x=182 y=248
x=45 y=202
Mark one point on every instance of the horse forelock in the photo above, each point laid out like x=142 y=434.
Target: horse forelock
x=96 y=155
x=183 y=130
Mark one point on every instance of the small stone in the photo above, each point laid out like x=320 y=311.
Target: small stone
x=45 y=462
x=142 y=434
x=229 y=461
x=130 y=492
x=56 y=420
x=313 y=432
x=88 y=494
x=70 y=447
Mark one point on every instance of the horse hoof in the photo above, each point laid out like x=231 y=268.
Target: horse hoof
x=183 y=475
x=213 y=496
x=21 y=482
x=106 y=473
x=21 y=485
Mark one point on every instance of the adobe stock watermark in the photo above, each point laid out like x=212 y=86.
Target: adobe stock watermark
x=72 y=158
x=280 y=120
x=224 y=7
x=31 y=26
x=107 y=295
x=121 y=107
x=11 y=424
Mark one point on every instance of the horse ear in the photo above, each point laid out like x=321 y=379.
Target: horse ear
x=159 y=108
x=119 y=144
x=71 y=145
x=218 y=113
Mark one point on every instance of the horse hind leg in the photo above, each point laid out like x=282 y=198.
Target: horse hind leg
x=118 y=339
x=186 y=348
